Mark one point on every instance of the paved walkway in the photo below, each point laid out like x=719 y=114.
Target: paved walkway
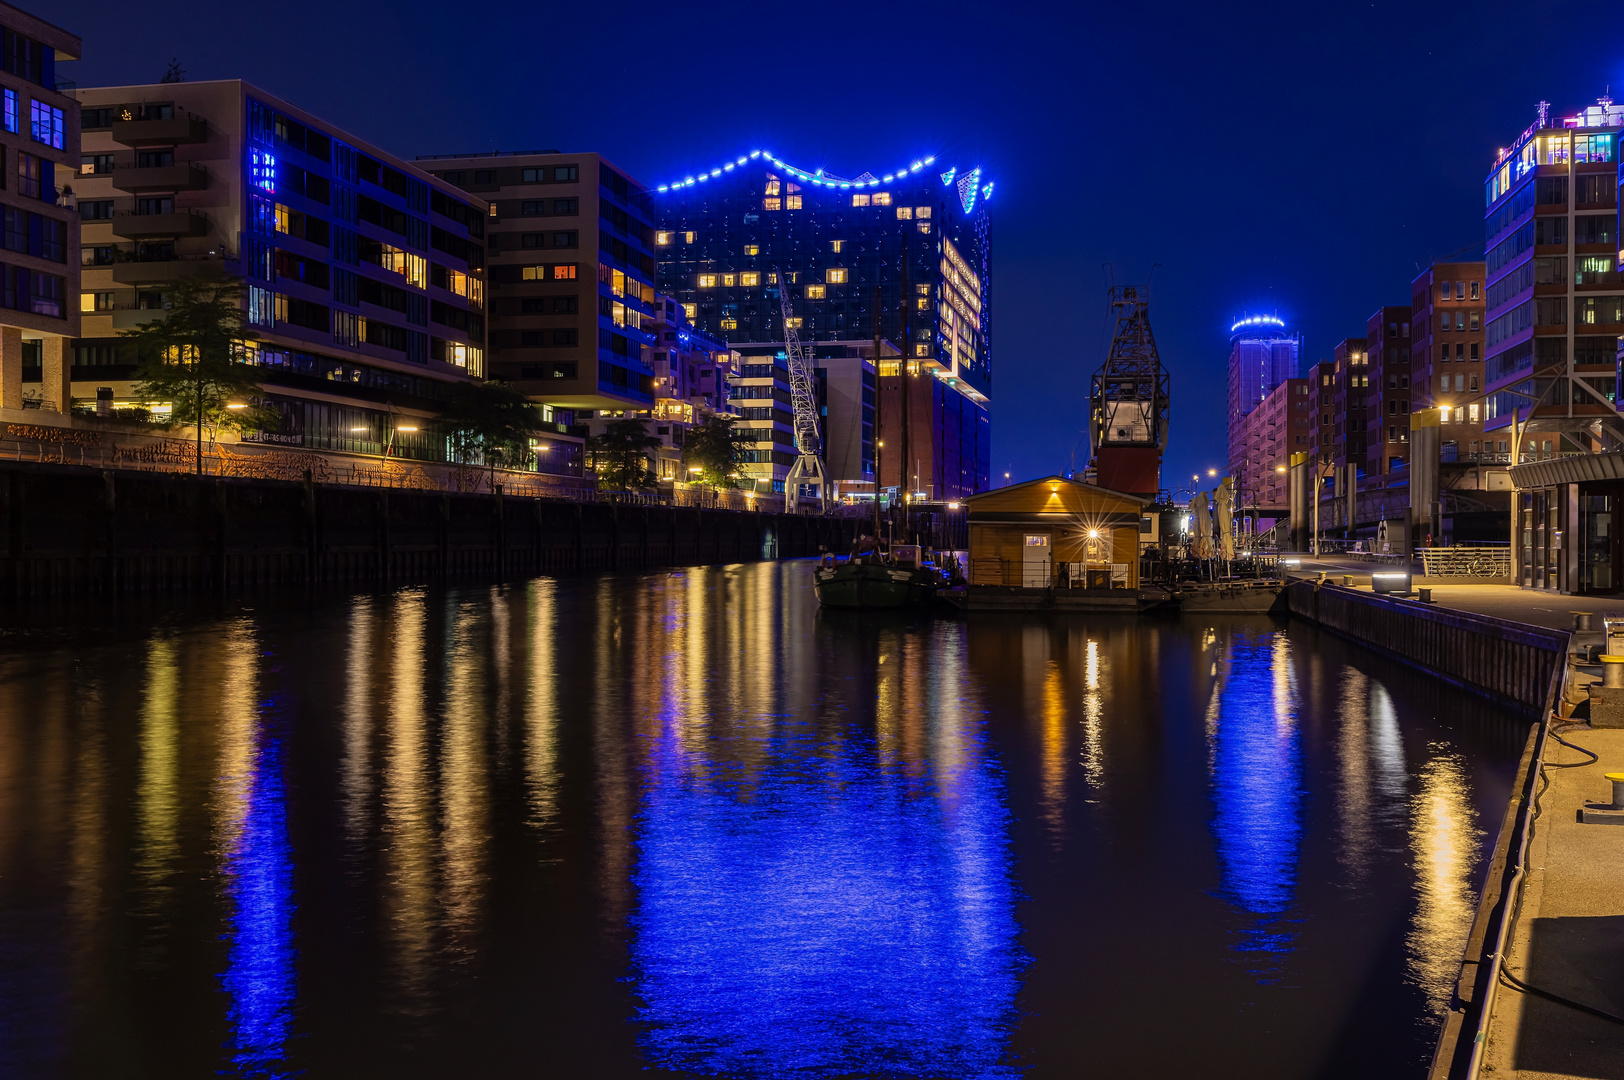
x=1552 y=610
x=1569 y=938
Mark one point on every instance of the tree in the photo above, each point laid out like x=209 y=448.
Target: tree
x=717 y=449
x=490 y=420
x=620 y=456
x=196 y=358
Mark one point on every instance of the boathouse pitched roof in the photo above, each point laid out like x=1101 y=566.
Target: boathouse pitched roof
x=1054 y=495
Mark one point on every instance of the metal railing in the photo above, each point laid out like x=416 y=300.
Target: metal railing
x=1466 y=562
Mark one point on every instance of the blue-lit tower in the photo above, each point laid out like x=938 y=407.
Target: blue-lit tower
x=1263 y=353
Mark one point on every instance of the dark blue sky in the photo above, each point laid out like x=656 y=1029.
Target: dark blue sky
x=1297 y=158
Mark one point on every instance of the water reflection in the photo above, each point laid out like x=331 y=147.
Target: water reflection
x=258 y=869
x=1256 y=767
x=844 y=909
x=1445 y=843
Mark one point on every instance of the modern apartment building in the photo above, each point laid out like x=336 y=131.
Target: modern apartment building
x=1280 y=427
x=1555 y=313
x=39 y=152
x=365 y=276
x=1263 y=353
x=1350 y=393
x=1554 y=300
x=846 y=382
x=572 y=277
x=904 y=251
x=1446 y=349
x=1387 y=402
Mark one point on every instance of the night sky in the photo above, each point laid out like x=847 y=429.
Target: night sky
x=1301 y=159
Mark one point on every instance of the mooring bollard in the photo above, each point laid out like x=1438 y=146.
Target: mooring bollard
x=1426 y=594
x=1347 y=581
x=1581 y=620
x=1618 y=789
x=1612 y=671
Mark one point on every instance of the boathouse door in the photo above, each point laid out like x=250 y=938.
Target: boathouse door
x=1035 y=558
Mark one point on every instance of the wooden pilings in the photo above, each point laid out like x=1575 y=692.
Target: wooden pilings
x=72 y=530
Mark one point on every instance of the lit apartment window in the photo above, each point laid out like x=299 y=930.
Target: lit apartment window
x=1471 y=413
x=836 y=245
x=816 y=292
x=662 y=238
x=752 y=249
x=835 y=276
x=688 y=237
x=772 y=204
x=882 y=198
x=707 y=281
x=924 y=304
x=493 y=211
x=691 y=310
x=730 y=323
x=792 y=202
x=859 y=200
x=772 y=188
x=904 y=213
x=793 y=324
x=921 y=350
x=283 y=218
x=924 y=226
x=729 y=280
x=750 y=278
x=921 y=211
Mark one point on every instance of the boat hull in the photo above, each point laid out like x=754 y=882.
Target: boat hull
x=872 y=585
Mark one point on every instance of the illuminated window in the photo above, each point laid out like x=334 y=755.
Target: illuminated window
x=1471 y=414
x=816 y=292
x=859 y=200
x=707 y=281
x=836 y=245
x=772 y=204
x=688 y=237
x=772 y=279
x=752 y=249
x=662 y=238
x=283 y=216
x=793 y=324
x=921 y=211
x=904 y=213
x=921 y=350
x=691 y=310
x=924 y=304
x=729 y=280
x=730 y=323
x=564 y=273
x=792 y=202
x=750 y=278
x=882 y=198
x=772 y=188
x=924 y=226
x=835 y=276
x=493 y=210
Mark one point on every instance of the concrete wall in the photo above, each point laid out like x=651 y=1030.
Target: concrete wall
x=76 y=530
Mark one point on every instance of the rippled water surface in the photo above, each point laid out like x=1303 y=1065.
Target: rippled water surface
x=688 y=825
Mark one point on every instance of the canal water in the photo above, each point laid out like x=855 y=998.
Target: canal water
x=687 y=824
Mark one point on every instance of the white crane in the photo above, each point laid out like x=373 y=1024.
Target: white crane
x=808 y=467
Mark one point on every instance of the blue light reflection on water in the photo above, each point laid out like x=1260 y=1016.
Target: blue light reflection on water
x=830 y=917
x=259 y=977
x=1255 y=744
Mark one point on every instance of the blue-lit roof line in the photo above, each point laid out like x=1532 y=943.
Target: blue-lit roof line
x=1258 y=320
x=817 y=179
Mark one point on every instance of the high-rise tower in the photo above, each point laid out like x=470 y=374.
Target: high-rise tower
x=1262 y=355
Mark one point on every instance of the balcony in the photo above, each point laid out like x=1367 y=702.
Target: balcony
x=182 y=177
x=128 y=317
x=170 y=132
x=179 y=223
x=159 y=271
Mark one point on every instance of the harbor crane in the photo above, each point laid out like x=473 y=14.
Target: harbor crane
x=808 y=468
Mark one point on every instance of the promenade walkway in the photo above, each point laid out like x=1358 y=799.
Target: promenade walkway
x=1569 y=937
